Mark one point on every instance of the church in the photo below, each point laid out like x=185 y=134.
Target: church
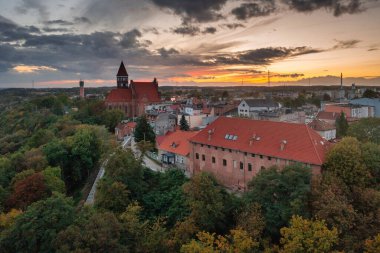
x=132 y=97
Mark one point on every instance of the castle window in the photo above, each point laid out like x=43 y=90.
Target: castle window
x=203 y=157
x=241 y=165
x=196 y=156
x=249 y=167
x=213 y=159
x=224 y=162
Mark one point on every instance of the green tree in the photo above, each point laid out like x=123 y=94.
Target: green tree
x=53 y=181
x=110 y=118
x=371 y=158
x=112 y=196
x=306 y=236
x=144 y=132
x=102 y=232
x=281 y=194
x=341 y=125
x=35 y=229
x=368 y=93
x=183 y=125
x=366 y=130
x=123 y=167
x=344 y=160
x=206 y=199
x=251 y=220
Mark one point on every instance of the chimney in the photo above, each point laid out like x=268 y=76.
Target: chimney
x=283 y=144
x=253 y=138
x=210 y=132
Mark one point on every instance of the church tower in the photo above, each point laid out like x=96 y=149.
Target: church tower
x=122 y=77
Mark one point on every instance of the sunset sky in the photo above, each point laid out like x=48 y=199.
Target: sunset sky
x=189 y=42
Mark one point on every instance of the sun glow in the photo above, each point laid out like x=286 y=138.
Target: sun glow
x=32 y=68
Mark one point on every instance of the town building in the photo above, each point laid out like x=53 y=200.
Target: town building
x=249 y=107
x=351 y=110
x=81 y=89
x=132 y=97
x=236 y=149
x=164 y=123
x=124 y=129
x=326 y=130
x=373 y=102
x=174 y=148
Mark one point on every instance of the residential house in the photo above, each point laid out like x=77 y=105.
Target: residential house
x=164 y=122
x=372 y=102
x=351 y=110
x=174 y=148
x=326 y=130
x=124 y=129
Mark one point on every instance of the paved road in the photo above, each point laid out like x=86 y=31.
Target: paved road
x=91 y=196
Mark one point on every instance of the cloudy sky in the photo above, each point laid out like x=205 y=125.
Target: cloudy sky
x=189 y=42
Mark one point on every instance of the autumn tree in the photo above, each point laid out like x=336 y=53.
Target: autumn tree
x=237 y=241
x=27 y=191
x=251 y=219
x=372 y=245
x=308 y=236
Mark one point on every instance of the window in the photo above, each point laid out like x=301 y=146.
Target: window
x=245 y=153
x=202 y=145
x=235 y=164
x=261 y=156
x=253 y=155
x=203 y=157
x=222 y=149
x=224 y=162
x=196 y=156
x=249 y=167
x=213 y=159
x=230 y=150
x=241 y=165
x=216 y=148
x=269 y=158
x=262 y=168
x=208 y=146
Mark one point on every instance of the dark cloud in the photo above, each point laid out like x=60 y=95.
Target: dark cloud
x=10 y=31
x=344 y=44
x=167 y=52
x=210 y=30
x=255 y=9
x=53 y=30
x=37 y=5
x=58 y=22
x=187 y=30
x=337 y=7
x=82 y=20
x=131 y=40
x=263 y=56
x=233 y=26
x=194 y=10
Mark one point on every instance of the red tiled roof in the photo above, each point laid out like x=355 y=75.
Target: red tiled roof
x=119 y=95
x=302 y=143
x=177 y=142
x=122 y=71
x=146 y=90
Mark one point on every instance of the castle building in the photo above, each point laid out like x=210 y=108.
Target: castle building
x=132 y=97
x=236 y=149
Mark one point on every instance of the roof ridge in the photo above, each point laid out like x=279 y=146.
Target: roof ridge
x=315 y=149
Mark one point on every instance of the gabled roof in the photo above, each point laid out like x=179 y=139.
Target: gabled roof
x=320 y=125
x=119 y=95
x=261 y=103
x=177 y=142
x=146 y=90
x=328 y=115
x=122 y=71
x=302 y=144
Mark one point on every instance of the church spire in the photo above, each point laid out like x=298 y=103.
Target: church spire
x=122 y=76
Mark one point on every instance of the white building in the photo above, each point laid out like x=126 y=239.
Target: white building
x=324 y=129
x=250 y=107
